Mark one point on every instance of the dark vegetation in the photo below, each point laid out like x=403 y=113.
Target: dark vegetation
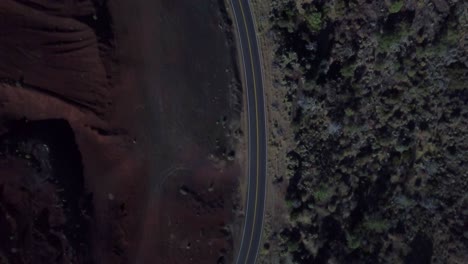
x=377 y=94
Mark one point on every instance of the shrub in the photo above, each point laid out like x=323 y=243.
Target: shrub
x=322 y=194
x=314 y=21
x=396 y=7
x=376 y=225
x=352 y=241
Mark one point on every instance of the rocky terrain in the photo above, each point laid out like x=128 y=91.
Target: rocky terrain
x=55 y=128
x=45 y=210
x=376 y=96
x=119 y=124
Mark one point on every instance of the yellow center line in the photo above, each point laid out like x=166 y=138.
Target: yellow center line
x=256 y=122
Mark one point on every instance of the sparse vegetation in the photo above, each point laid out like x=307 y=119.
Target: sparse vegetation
x=377 y=100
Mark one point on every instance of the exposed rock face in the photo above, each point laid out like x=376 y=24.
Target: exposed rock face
x=96 y=140
x=62 y=151
x=56 y=48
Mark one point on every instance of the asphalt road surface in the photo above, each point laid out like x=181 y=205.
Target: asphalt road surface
x=255 y=204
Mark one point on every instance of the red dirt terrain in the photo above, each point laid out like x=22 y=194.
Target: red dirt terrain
x=118 y=125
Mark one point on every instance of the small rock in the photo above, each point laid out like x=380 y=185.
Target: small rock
x=183 y=191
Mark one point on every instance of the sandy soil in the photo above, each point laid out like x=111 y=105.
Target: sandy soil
x=150 y=95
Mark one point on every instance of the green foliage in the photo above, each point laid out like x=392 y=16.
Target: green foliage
x=376 y=225
x=314 y=21
x=457 y=79
x=336 y=10
x=349 y=112
x=322 y=194
x=290 y=14
x=387 y=41
x=288 y=20
x=396 y=7
x=400 y=126
x=353 y=241
x=450 y=38
x=411 y=73
x=347 y=71
x=404 y=202
x=293 y=246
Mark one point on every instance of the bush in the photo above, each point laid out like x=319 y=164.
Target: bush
x=314 y=21
x=322 y=194
x=376 y=225
x=396 y=7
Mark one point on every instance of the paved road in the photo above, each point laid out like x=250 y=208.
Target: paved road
x=253 y=225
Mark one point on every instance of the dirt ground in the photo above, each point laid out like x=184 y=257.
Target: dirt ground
x=146 y=94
